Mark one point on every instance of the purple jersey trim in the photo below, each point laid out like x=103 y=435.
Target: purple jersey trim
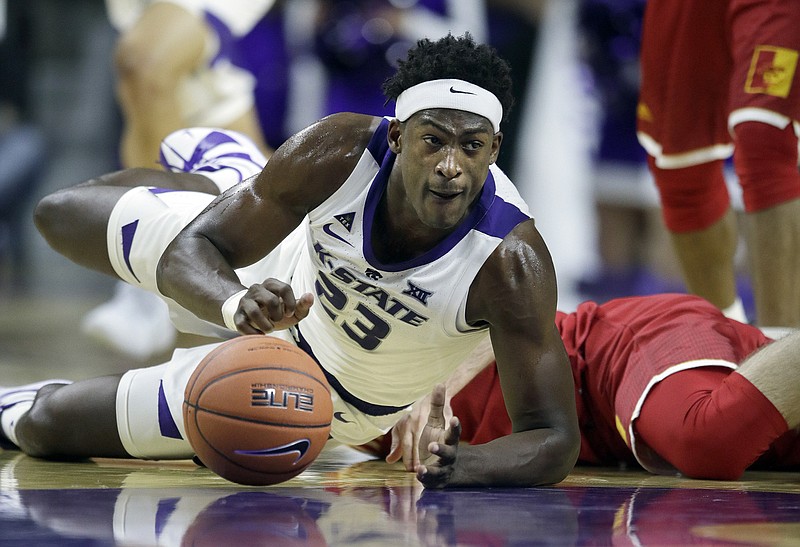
x=490 y=215
x=366 y=407
x=379 y=144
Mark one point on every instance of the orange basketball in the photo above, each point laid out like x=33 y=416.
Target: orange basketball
x=257 y=410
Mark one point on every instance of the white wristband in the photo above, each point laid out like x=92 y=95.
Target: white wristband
x=230 y=307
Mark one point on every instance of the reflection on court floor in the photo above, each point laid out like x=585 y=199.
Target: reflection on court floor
x=346 y=499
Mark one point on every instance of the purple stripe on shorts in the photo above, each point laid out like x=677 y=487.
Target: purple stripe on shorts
x=128 y=232
x=166 y=423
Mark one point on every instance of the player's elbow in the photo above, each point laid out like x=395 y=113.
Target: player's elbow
x=555 y=458
x=568 y=447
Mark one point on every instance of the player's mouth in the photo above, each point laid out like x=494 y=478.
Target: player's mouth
x=446 y=195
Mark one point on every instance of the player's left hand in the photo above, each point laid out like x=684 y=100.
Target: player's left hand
x=438 y=445
x=406 y=435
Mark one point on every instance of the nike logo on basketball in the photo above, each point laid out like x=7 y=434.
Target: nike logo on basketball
x=454 y=90
x=340 y=416
x=300 y=447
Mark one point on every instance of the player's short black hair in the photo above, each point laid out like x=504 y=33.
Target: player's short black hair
x=453 y=57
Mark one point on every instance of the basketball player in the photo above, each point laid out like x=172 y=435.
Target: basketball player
x=717 y=75
x=387 y=248
x=665 y=381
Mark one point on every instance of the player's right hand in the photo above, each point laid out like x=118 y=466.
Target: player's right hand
x=270 y=306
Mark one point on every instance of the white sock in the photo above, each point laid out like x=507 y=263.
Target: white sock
x=11 y=415
x=736 y=311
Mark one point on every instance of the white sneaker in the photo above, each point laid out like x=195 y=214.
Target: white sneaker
x=134 y=323
x=226 y=157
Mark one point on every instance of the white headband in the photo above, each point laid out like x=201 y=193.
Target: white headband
x=453 y=94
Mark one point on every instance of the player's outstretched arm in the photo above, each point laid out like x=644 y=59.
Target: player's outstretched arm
x=515 y=293
x=248 y=221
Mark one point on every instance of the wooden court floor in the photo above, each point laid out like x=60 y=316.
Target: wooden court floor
x=345 y=498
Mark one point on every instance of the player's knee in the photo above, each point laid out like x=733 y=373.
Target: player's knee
x=766 y=164
x=142 y=71
x=48 y=215
x=692 y=198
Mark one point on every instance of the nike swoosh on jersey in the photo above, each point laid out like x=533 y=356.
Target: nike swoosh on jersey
x=300 y=447
x=327 y=229
x=454 y=90
x=340 y=416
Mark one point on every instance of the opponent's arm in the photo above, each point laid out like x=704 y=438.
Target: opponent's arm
x=245 y=223
x=515 y=293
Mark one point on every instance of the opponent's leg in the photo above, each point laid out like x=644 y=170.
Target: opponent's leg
x=775 y=371
x=702 y=227
x=708 y=422
x=766 y=163
x=707 y=260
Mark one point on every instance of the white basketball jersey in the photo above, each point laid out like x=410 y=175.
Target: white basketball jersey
x=387 y=333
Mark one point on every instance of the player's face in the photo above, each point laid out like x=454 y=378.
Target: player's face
x=444 y=157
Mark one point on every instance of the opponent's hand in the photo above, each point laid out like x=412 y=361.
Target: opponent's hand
x=438 y=444
x=269 y=306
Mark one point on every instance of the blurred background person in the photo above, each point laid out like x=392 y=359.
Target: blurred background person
x=343 y=50
x=635 y=257
x=558 y=132
x=22 y=144
x=178 y=63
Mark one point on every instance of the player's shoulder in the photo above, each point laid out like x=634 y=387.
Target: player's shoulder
x=338 y=137
x=519 y=274
x=314 y=162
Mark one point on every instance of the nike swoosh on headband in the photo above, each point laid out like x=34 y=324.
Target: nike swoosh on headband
x=454 y=90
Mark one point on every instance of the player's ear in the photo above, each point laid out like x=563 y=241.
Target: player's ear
x=497 y=140
x=394 y=135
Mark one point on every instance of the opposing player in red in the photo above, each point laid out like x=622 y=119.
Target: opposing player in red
x=720 y=78
x=665 y=381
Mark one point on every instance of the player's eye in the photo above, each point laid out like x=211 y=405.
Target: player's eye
x=473 y=145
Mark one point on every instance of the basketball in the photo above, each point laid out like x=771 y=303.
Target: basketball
x=257 y=410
